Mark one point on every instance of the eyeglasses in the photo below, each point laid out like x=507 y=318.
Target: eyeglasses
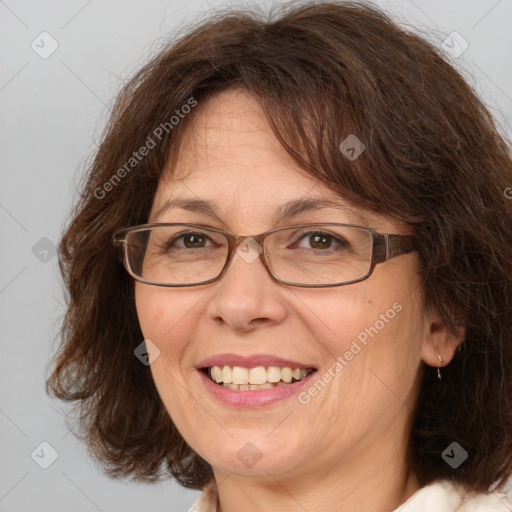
x=307 y=255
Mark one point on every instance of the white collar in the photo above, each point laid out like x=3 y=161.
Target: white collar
x=439 y=496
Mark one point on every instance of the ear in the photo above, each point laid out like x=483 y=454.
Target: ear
x=438 y=338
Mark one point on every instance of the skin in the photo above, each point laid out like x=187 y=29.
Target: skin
x=346 y=448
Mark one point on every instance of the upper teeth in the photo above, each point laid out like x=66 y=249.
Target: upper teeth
x=257 y=375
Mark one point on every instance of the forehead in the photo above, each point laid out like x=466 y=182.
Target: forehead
x=230 y=132
x=231 y=164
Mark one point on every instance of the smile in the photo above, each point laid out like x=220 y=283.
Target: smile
x=247 y=395
x=259 y=377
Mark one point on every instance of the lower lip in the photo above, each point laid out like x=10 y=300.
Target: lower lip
x=253 y=398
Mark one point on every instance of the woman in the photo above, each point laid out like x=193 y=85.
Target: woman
x=350 y=348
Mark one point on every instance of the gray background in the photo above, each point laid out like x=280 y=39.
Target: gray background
x=51 y=113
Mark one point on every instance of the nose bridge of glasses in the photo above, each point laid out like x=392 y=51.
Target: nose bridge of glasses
x=235 y=241
x=248 y=248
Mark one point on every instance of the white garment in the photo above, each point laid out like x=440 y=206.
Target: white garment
x=440 y=496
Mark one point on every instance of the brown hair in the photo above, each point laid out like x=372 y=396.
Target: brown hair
x=433 y=159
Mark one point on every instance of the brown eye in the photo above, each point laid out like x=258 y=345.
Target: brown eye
x=320 y=241
x=193 y=240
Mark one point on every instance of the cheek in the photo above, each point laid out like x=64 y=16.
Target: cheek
x=164 y=313
x=169 y=318
x=387 y=340
x=340 y=316
x=375 y=326
x=166 y=317
x=150 y=311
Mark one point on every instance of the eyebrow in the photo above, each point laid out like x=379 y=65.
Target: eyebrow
x=286 y=211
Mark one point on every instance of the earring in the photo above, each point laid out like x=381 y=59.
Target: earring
x=439 y=367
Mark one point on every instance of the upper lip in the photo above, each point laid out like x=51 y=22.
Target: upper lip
x=250 y=361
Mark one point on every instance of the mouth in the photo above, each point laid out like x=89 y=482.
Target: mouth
x=240 y=378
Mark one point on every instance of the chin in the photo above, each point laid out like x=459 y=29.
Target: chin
x=256 y=456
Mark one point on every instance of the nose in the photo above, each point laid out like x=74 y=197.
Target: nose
x=246 y=296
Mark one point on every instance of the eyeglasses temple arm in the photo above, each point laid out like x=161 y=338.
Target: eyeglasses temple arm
x=388 y=246
x=398 y=244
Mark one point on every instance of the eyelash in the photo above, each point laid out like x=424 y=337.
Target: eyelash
x=340 y=242
x=334 y=238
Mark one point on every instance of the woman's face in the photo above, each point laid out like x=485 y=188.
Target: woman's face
x=376 y=329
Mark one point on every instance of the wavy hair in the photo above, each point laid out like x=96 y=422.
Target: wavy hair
x=434 y=159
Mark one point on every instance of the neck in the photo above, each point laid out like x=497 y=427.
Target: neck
x=371 y=487
x=363 y=499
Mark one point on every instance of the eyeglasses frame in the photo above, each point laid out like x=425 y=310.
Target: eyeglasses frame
x=384 y=247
